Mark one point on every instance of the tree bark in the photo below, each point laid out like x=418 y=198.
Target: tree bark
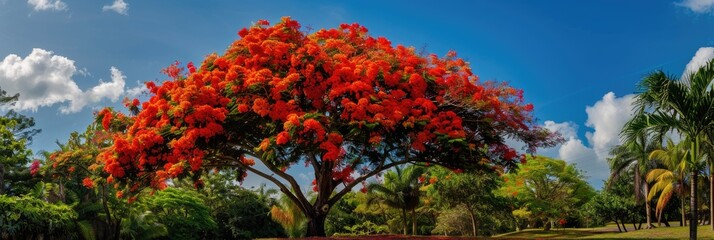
x=711 y=194
x=618 y=226
x=683 y=222
x=316 y=225
x=414 y=222
x=473 y=222
x=648 y=207
x=693 y=206
x=404 y=217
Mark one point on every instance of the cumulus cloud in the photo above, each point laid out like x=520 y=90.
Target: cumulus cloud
x=697 y=6
x=41 y=78
x=607 y=117
x=44 y=79
x=575 y=152
x=44 y=5
x=701 y=58
x=109 y=90
x=118 y=6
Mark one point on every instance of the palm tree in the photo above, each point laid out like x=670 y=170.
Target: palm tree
x=671 y=179
x=633 y=154
x=686 y=106
x=289 y=216
x=400 y=189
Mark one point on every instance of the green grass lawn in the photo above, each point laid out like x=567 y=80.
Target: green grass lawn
x=610 y=232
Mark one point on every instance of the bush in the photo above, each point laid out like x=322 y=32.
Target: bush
x=28 y=218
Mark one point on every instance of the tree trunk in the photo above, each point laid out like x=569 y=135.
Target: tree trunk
x=474 y=226
x=637 y=185
x=618 y=226
x=683 y=222
x=648 y=207
x=623 y=225
x=316 y=225
x=2 y=178
x=414 y=222
x=546 y=225
x=404 y=217
x=693 y=206
x=711 y=195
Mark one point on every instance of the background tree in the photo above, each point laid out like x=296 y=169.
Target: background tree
x=16 y=132
x=183 y=212
x=400 y=190
x=548 y=188
x=606 y=206
x=287 y=214
x=240 y=213
x=73 y=171
x=338 y=100
x=633 y=155
x=472 y=192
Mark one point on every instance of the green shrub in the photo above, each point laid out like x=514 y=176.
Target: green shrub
x=27 y=217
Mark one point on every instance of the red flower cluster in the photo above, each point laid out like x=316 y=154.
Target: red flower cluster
x=88 y=183
x=34 y=167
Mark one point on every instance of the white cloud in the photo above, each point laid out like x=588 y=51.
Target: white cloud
x=136 y=91
x=573 y=151
x=44 y=5
x=701 y=58
x=41 y=78
x=697 y=6
x=118 y=6
x=44 y=79
x=566 y=129
x=110 y=90
x=607 y=117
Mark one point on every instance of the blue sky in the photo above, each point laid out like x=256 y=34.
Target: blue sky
x=576 y=60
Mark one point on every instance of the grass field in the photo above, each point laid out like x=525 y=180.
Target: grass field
x=610 y=232
x=607 y=232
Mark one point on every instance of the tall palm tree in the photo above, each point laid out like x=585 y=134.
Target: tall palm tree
x=686 y=106
x=671 y=179
x=400 y=189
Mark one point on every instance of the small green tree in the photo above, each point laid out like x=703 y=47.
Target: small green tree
x=471 y=192
x=183 y=212
x=549 y=188
x=606 y=206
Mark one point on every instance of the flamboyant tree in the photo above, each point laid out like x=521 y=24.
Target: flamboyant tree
x=338 y=100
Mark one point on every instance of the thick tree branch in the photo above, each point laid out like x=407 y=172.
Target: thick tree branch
x=280 y=185
x=296 y=187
